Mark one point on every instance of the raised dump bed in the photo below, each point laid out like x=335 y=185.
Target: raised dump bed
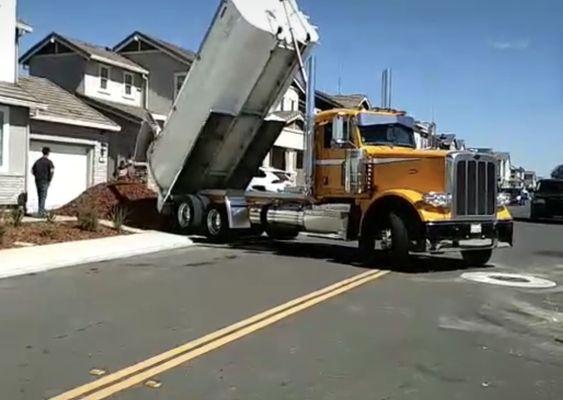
x=218 y=132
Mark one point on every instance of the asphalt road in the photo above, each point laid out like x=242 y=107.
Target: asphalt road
x=427 y=334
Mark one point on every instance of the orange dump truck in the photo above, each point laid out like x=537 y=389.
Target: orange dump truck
x=364 y=178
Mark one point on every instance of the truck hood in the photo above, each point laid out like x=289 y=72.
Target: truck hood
x=403 y=152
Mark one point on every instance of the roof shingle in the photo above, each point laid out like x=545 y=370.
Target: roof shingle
x=63 y=107
x=351 y=100
x=15 y=95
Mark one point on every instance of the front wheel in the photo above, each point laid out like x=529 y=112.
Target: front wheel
x=393 y=235
x=476 y=258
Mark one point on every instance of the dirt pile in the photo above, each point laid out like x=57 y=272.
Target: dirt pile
x=138 y=201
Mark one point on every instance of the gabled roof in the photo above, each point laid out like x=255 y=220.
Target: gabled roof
x=63 y=107
x=327 y=99
x=15 y=95
x=352 y=100
x=183 y=55
x=86 y=50
x=289 y=116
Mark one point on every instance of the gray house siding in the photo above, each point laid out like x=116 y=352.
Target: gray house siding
x=100 y=163
x=66 y=70
x=161 y=69
x=12 y=182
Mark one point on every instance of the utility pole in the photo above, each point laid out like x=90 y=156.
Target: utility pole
x=386 y=88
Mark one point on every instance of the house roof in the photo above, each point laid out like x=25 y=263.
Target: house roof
x=130 y=113
x=288 y=116
x=87 y=50
x=328 y=99
x=63 y=107
x=15 y=95
x=351 y=100
x=184 y=55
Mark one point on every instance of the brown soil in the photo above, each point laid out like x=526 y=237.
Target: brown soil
x=42 y=233
x=135 y=198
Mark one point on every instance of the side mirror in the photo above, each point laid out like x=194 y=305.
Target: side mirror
x=340 y=130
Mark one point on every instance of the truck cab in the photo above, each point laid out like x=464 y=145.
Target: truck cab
x=408 y=200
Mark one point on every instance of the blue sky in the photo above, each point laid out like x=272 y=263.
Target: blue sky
x=490 y=71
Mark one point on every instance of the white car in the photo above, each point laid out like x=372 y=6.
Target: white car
x=270 y=180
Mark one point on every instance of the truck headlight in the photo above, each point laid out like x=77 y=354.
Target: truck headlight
x=434 y=199
x=503 y=199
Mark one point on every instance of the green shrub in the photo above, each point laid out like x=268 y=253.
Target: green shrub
x=16 y=215
x=88 y=218
x=118 y=217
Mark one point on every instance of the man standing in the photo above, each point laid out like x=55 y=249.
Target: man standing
x=43 y=170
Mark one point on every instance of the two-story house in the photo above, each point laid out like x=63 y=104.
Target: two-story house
x=105 y=80
x=37 y=113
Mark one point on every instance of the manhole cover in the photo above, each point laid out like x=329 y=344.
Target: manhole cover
x=514 y=280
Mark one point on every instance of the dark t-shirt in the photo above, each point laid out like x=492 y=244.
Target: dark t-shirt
x=43 y=170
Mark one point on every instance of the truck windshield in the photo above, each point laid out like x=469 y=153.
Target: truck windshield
x=551 y=187
x=388 y=135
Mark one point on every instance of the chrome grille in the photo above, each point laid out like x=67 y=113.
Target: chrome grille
x=475 y=186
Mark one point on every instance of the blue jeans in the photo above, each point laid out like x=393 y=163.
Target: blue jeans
x=42 y=188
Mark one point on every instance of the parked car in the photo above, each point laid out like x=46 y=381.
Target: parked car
x=548 y=199
x=270 y=180
x=516 y=197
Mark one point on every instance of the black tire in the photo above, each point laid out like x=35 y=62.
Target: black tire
x=398 y=255
x=216 y=223
x=476 y=258
x=189 y=214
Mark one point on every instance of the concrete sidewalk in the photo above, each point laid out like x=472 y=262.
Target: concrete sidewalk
x=23 y=261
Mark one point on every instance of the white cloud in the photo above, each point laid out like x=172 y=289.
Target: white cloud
x=521 y=44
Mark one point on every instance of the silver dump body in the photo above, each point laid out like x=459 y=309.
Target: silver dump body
x=218 y=132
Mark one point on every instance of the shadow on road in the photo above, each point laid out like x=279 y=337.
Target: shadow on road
x=346 y=255
x=541 y=221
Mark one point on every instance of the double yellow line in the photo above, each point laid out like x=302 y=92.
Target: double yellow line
x=141 y=372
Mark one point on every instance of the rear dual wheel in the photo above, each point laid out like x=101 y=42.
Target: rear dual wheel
x=216 y=223
x=189 y=213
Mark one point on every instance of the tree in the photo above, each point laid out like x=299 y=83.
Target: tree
x=557 y=172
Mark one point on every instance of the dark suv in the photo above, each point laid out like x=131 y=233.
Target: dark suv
x=548 y=199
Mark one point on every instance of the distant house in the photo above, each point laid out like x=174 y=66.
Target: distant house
x=423 y=134
x=448 y=141
x=505 y=169
x=530 y=179
x=107 y=81
x=353 y=101
x=36 y=113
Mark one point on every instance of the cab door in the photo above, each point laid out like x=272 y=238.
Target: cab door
x=331 y=156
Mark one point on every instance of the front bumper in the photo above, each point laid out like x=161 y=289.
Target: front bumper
x=440 y=237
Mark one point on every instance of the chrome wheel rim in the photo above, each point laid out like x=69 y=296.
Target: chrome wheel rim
x=214 y=222
x=386 y=239
x=184 y=215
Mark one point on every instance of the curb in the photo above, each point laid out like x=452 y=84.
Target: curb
x=25 y=261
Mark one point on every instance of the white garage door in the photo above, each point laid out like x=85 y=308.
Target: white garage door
x=71 y=173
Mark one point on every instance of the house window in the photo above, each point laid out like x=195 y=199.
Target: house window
x=104 y=77
x=128 y=83
x=179 y=79
x=4 y=126
x=293 y=105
